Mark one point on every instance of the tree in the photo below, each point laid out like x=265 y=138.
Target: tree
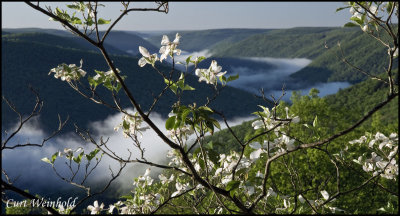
x=293 y=162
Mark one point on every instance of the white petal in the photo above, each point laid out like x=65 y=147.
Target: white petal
x=142 y=62
x=325 y=194
x=147 y=172
x=144 y=51
x=256 y=154
x=177 y=38
x=255 y=145
x=165 y=40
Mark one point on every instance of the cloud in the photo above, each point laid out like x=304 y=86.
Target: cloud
x=38 y=176
x=268 y=78
x=324 y=89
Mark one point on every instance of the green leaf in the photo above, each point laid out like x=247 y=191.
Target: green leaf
x=357 y=20
x=102 y=21
x=209 y=145
x=53 y=157
x=91 y=155
x=126 y=197
x=76 y=7
x=174 y=88
x=216 y=123
x=315 y=122
x=350 y=24
x=232 y=78
x=169 y=124
x=188 y=59
x=108 y=84
x=232 y=185
x=125 y=125
x=339 y=9
x=79 y=158
x=180 y=83
x=206 y=109
x=46 y=160
x=76 y=20
x=188 y=87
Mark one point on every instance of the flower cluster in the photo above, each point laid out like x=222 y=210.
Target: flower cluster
x=268 y=121
x=68 y=72
x=382 y=159
x=210 y=75
x=106 y=75
x=144 y=180
x=95 y=208
x=168 y=49
x=131 y=125
x=147 y=58
x=181 y=133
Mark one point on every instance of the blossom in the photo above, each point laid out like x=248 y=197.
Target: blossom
x=373 y=10
x=259 y=174
x=132 y=125
x=169 y=48
x=68 y=72
x=165 y=180
x=271 y=192
x=182 y=132
x=301 y=198
x=288 y=142
x=96 y=208
x=180 y=188
x=210 y=75
x=147 y=58
x=335 y=209
x=325 y=194
x=111 y=208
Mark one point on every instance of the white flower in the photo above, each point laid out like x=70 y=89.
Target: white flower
x=68 y=152
x=147 y=58
x=259 y=174
x=325 y=194
x=147 y=172
x=169 y=48
x=373 y=10
x=289 y=142
x=352 y=10
x=182 y=132
x=68 y=72
x=335 y=209
x=256 y=154
x=111 y=208
x=365 y=28
x=296 y=119
x=271 y=192
x=180 y=188
x=250 y=190
x=165 y=180
x=132 y=125
x=395 y=51
x=301 y=198
x=96 y=208
x=124 y=210
x=210 y=75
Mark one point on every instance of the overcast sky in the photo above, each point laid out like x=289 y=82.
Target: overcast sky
x=195 y=15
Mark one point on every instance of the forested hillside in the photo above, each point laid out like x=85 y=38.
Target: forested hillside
x=206 y=39
x=344 y=108
x=26 y=63
x=117 y=42
x=310 y=43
